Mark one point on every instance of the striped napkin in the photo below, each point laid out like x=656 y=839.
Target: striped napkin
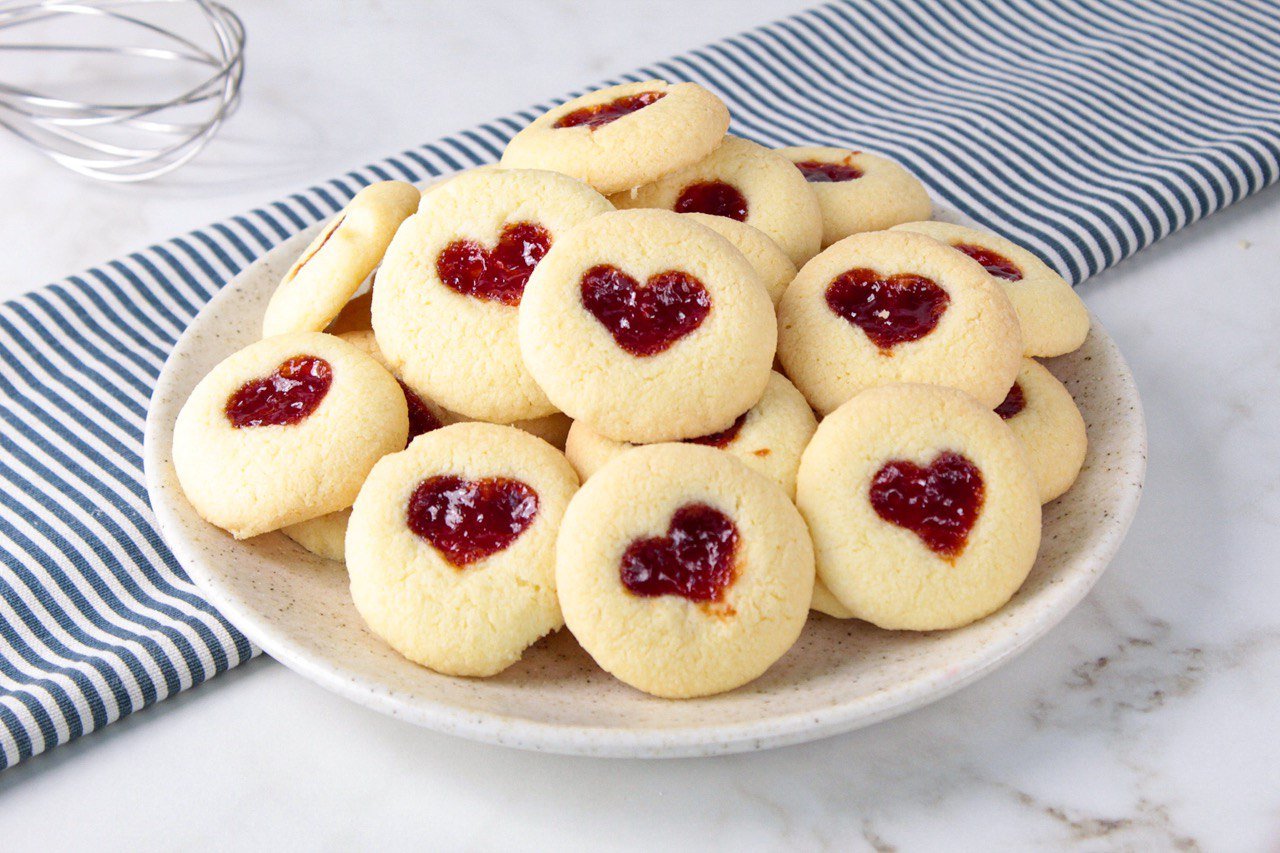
x=1084 y=130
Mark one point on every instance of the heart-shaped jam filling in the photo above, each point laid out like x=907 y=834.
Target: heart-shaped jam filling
x=645 y=319
x=601 y=114
x=288 y=395
x=468 y=520
x=1015 y=401
x=714 y=197
x=498 y=274
x=724 y=437
x=940 y=503
x=421 y=418
x=694 y=560
x=994 y=262
x=891 y=309
x=817 y=172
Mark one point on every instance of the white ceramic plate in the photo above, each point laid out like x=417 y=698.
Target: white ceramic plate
x=840 y=675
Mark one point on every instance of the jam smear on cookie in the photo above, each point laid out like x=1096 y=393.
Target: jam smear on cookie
x=498 y=274
x=939 y=503
x=818 y=172
x=1015 y=401
x=421 y=418
x=292 y=392
x=891 y=309
x=468 y=520
x=714 y=197
x=599 y=115
x=724 y=437
x=994 y=262
x=695 y=560
x=301 y=262
x=645 y=319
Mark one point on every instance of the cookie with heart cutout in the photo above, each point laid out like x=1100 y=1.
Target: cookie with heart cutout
x=451 y=547
x=891 y=306
x=285 y=430
x=1041 y=413
x=775 y=268
x=339 y=260
x=623 y=136
x=682 y=572
x=859 y=191
x=923 y=507
x=1054 y=319
x=444 y=308
x=744 y=182
x=648 y=327
x=769 y=437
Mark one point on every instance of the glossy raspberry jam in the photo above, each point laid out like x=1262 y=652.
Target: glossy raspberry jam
x=468 y=520
x=714 y=197
x=994 y=262
x=421 y=418
x=723 y=438
x=1015 y=401
x=599 y=115
x=645 y=319
x=695 y=560
x=818 y=172
x=498 y=274
x=940 y=503
x=292 y=392
x=891 y=309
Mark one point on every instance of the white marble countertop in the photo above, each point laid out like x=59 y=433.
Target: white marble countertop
x=1147 y=720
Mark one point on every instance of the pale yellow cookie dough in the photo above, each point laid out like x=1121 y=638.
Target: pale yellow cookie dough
x=1050 y=426
x=775 y=268
x=826 y=603
x=475 y=619
x=680 y=128
x=324 y=536
x=669 y=645
x=975 y=346
x=885 y=573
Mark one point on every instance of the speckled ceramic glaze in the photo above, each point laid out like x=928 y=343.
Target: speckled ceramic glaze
x=839 y=676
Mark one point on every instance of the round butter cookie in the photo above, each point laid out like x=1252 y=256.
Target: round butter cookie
x=285 y=430
x=1041 y=413
x=445 y=304
x=890 y=306
x=325 y=536
x=683 y=572
x=775 y=268
x=923 y=507
x=623 y=136
x=1053 y=318
x=331 y=270
x=858 y=191
x=744 y=182
x=451 y=547
x=769 y=437
x=826 y=603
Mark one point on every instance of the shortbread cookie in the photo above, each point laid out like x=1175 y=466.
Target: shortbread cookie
x=356 y=315
x=769 y=437
x=891 y=306
x=1041 y=413
x=745 y=182
x=682 y=571
x=775 y=268
x=648 y=327
x=325 y=536
x=1053 y=318
x=444 y=308
x=451 y=547
x=923 y=507
x=623 y=136
x=338 y=261
x=285 y=430
x=859 y=191
x=826 y=603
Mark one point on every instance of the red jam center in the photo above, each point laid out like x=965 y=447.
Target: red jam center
x=601 y=114
x=889 y=309
x=817 y=172
x=996 y=264
x=287 y=396
x=714 y=197
x=645 y=319
x=498 y=274
x=940 y=503
x=468 y=520
x=723 y=438
x=694 y=560
x=1015 y=401
x=421 y=418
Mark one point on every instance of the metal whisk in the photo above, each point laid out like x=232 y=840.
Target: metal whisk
x=121 y=43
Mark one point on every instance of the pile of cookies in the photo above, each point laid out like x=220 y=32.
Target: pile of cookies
x=665 y=386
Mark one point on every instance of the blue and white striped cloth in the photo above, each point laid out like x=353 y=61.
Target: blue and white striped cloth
x=1085 y=130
